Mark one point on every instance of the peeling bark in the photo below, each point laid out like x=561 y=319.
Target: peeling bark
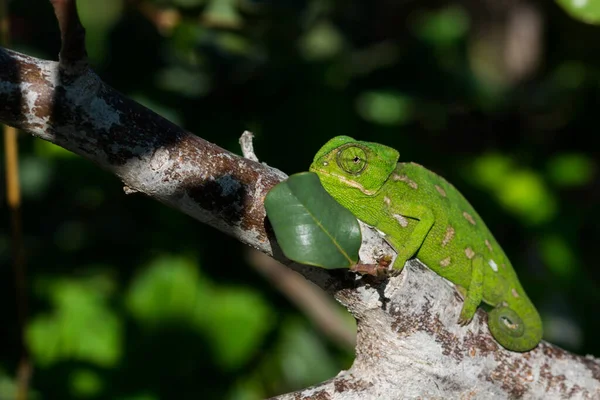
x=408 y=343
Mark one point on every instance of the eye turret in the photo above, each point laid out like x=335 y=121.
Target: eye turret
x=352 y=159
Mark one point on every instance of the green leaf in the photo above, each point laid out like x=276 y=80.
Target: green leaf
x=584 y=10
x=310 y=226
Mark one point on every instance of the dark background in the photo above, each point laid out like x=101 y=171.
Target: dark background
x=132 y=300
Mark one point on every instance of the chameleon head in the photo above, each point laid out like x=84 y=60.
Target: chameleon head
x=346 y=163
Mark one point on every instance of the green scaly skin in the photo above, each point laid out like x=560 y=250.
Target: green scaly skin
x=424 y=216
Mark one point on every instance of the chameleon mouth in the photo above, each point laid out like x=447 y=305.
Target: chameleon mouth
x=344 y=180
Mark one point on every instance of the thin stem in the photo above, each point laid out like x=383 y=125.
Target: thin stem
x=13 y=195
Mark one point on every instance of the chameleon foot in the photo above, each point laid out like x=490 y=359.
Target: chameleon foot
x=376 y=270
x=462 y=321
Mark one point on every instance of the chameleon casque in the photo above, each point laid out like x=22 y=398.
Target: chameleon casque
x=424 y=216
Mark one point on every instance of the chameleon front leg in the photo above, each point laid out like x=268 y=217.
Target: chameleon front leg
x=474 y=294
x=409 y=247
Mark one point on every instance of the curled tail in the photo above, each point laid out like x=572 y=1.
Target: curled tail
x=516 y=330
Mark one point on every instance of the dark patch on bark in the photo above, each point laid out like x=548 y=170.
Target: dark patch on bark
x=514 y=374
x=408 y=324
x=576 y=389
x=320 y=395
x=593 y=366
x=552 y=380
x=246 y=183
x=479 y=345
x=223 y=197
x=342 y=385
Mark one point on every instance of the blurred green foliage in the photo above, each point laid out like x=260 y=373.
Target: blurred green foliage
x=584 y=10
x=521 y=191
x=80 y=326
x=132 y=300
x=234 y=319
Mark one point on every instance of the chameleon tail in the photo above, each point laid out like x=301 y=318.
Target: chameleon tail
x=513 y=331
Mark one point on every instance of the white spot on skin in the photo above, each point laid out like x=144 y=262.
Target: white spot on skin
x=469 y=253
x=514 y=293
x=510 y=325
x=449 y=236
x=580 y=3
x=488 y=244
x=325 y=163
x=468 y=217
x=493 y=265
x=401 y=220
x=445 y=262
x=387 y=201
x=441 y=191
x=406 y=179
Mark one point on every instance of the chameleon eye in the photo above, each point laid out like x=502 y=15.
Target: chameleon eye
x=352 y=160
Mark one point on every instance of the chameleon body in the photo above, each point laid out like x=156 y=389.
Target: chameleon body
x=424 y=216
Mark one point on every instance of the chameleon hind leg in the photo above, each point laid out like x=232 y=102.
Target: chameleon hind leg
x=515 y=328
x=474 y=294
x=512 y=326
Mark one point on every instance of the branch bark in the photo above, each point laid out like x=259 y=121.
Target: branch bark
x=409 y=346
x=408 y=341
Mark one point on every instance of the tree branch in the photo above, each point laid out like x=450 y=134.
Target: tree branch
x=410 y=346
x=408 y=343
x=73 y=55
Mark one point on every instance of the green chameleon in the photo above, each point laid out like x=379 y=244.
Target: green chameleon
x=424 y=216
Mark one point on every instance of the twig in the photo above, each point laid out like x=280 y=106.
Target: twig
x=247 y=146
x=313 y=302
x=165 y=19
x=13 y=197
x=73 y=55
